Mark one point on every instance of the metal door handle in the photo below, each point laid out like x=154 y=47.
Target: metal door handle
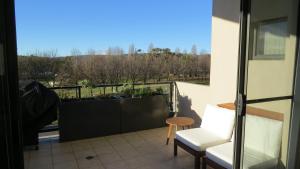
x=240 y=105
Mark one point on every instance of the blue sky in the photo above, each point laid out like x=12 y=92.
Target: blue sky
x=99 y=24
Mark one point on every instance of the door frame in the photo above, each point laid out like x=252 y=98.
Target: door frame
x=241 y=98
x=294 y=144
x=240 y=107
x=10 y=116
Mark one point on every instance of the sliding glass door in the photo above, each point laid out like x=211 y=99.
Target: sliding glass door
x=266 y=82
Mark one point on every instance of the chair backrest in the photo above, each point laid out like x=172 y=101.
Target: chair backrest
x=219 y=121
x=263 y=135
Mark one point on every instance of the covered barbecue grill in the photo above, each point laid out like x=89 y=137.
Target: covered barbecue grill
x=39 y=108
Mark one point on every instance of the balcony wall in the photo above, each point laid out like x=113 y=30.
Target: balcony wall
x=191 y=100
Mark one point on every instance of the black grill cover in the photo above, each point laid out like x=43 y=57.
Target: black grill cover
x=38 y=101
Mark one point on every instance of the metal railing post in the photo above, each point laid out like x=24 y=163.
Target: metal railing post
x=79 y=92
x=76 y=92
x=171 y=95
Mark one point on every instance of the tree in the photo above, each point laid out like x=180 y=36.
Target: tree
x=131 y=50
x=203 y=52
x=114 y=67
x=177 y=51
x=184 y=52
x=146 y=63
x=114 y=51
x=51 y=65
x=75 y=52
x=150 y=47
x=91 y=52
x=194 y=51
x=41 y=66
x=75 y=66
x=133 y=67
x=117 y=51
x=109 y=51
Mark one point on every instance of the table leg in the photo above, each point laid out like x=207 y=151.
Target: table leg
x=169 y=133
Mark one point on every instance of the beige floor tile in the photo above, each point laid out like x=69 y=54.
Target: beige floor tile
x=117 y=165
x=82 y=146
x=147 y=149
x=40 y=153
x=123 y=147
x=40 y=167
x=66 y=165
x=40 y=161
x=93 y=167
x=62 y=158
x=104 y=150
x=62 y=150
x=88 y=164
x=128 y=152
x=114 y=140
x=140 y=143
x=106 y=159
x=136 y=162
x=100 y=143
x=44 y=146
x=84 y=154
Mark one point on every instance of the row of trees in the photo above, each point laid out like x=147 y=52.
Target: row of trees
x=114 y=67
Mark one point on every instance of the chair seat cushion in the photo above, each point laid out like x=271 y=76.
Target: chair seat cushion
x=223 y=155
x=257 y=160
x=199 y=139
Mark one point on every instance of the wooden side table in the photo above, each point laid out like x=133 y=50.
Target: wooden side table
x=178 y=122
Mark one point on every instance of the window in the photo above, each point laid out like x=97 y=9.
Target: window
x=270 y=39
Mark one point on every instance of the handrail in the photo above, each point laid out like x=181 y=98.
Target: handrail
x=78 y=88
x=111 y=85
x=64 y=87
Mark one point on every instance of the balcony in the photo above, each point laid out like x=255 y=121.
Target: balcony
x=142 y=149
x=125 y=149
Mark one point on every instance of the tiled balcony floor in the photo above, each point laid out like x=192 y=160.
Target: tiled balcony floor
x=137 y=150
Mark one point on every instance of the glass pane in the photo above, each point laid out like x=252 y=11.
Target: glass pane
x=270 y=73
x=271 y=49
x=266 y=134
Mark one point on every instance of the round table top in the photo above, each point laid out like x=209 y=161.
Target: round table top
x=180 y=121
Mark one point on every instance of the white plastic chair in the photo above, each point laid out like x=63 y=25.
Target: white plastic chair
x=216 y=128
x=261 y=147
